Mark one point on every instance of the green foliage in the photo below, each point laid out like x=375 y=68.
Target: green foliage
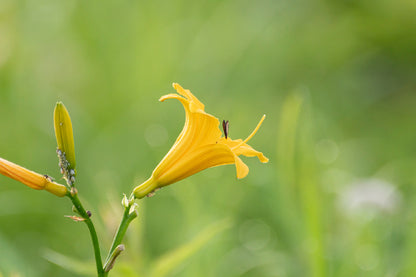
x=170 y=261
x=71 y=264
x=11 y=261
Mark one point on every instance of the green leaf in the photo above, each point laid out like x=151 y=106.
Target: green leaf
x=10 y=259
x=70 y=264
x=173 y=259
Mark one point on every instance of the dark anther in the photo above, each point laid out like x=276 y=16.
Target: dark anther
x=225 y=127
x=89 y=213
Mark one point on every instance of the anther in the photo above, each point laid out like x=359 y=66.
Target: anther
x=225 y=127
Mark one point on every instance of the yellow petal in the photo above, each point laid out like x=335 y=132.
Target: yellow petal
x=197 y=160
x=248 y=151
x=195 y=104
x=200 y=129
x=241 y=168
x=184 y=101
x=241 y=148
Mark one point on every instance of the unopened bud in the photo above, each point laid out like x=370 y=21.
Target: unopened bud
x=116 y=252
x=64 y=138
x=30 y=178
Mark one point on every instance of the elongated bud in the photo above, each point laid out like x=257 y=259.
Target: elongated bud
x=30 y=178
x=65 y=139
x=117 y=251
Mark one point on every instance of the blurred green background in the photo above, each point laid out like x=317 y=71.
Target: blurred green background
x=337 y=80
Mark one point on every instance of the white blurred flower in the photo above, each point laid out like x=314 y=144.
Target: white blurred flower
x=373 y=195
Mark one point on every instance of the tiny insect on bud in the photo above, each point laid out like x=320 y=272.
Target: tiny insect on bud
x=151 y=194
x=48 y=178
x=89 y=213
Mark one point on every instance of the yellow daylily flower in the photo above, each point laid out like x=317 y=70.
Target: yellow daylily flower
x=31 y=179
x=198 y=147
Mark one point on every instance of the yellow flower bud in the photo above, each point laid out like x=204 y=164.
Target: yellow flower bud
x=64 y=134
x=31 y=179
x=65 y=139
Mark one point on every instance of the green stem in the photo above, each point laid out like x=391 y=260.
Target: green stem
x=121 y=231
x=77 y=203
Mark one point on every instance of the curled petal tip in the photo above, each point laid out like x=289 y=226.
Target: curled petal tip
x=171 y=96
x=264 y=159
x=176 y=86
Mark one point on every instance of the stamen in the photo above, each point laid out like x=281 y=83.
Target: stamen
x=252 y=133
x=225 y=126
